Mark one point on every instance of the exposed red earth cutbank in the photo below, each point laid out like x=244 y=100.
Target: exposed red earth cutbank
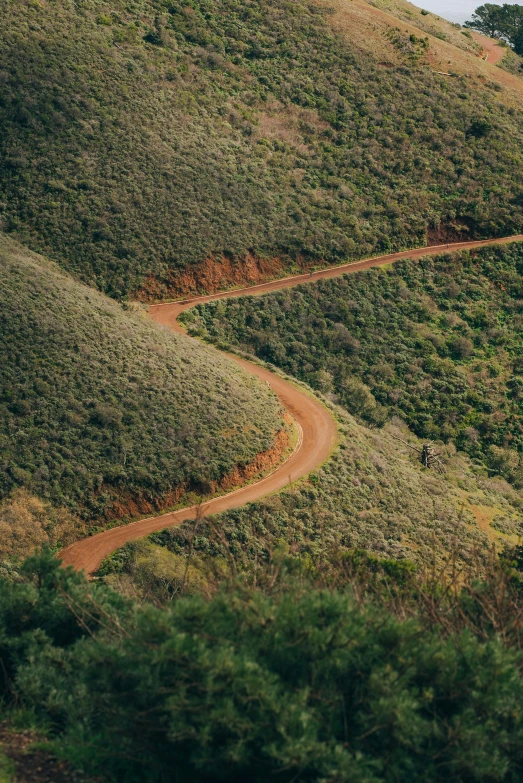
x=316 y=424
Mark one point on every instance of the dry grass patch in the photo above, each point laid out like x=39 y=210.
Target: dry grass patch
x=368 y=26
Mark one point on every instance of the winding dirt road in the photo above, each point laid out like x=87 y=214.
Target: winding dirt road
x=493 y=51
x=317 y=427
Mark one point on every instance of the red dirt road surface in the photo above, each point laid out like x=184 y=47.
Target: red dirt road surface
x=316 y=424
x=493 y=51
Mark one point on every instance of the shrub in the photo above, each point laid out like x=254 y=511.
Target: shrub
x=479 y=129
x=461 y=347
x=307 y=683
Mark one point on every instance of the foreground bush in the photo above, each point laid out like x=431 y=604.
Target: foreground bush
x=308 y=685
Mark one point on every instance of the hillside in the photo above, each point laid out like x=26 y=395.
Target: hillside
x=105 y=412
x=445 y=358
x=437 y=342
x=400 y=33
x=372 y=495
x=322 y=607
x=142 y=140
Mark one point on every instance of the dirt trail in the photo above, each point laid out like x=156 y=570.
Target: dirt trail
x=493 y=51
x=316 y=424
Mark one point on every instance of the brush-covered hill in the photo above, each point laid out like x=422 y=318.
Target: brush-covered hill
x=372 y=495
x=399 y=33
x=433 y=345
x=105 y=412
x=438 y=342
x=144 y=139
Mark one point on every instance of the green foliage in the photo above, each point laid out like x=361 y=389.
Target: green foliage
x=303 y=146
x=99 y=405
x=371 y=495
x=47 y=605
x=307 y=684
x=437 y=342
x=500 y=21
x=479 y=129
x=6 y=769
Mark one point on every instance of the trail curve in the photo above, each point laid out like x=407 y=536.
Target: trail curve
x=318 y=431
x=494 y=53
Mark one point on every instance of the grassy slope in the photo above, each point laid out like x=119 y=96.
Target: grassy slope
x=512 y=63
x=395 y=328
x=100 y=405
x=437 y=342
x=372 y=494
x=383 y=28
x=302 y=142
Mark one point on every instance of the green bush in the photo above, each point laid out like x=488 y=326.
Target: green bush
x=461 y=348
x=307 y=685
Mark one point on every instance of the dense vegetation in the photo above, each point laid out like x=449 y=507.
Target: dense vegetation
x=140 y=137
x=373 y=494
x=28 y=523
x=302 y=144
x=500 y=21
x=100 y=407
x=410 y=683
x=438 y=343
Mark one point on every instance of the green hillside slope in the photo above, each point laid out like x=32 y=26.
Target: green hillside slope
x=439 y=343
x=104 y=411
x=141 y=137
x=435 y=342
x=373 y=495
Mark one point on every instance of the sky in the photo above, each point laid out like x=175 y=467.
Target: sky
x=455 y=10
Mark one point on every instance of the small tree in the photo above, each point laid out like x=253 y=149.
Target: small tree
x=461 y=347
x=504 y=22
x=487 y=19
